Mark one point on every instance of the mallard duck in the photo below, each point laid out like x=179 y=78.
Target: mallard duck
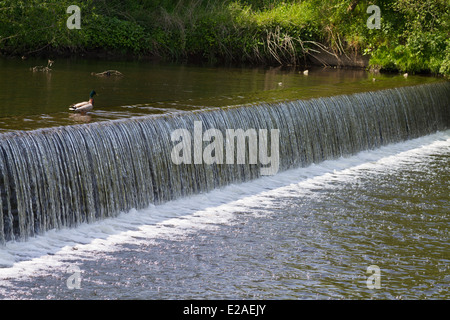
x=84 y=106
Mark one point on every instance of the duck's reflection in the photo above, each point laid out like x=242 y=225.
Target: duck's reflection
x=81 y=118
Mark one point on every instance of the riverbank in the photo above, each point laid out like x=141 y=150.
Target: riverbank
x=412 y=38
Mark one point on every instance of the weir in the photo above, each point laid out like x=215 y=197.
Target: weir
x=61 y=177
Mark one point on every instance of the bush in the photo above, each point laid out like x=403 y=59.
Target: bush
x=413 y=35
x=35 y=25
x=103 y=32
x=419 y=43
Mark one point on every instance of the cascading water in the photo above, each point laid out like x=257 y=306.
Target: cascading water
x=61 y=177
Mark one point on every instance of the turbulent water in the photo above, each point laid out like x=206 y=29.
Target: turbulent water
x=62 y=177
x=306 y=233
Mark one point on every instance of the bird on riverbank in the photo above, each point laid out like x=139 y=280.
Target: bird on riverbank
x=85 y=106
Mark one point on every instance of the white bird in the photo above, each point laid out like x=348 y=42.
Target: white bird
x=305 y=72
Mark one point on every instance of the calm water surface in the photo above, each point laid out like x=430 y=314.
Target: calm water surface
x=33 y=100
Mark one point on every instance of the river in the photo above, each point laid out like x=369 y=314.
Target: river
x=32 y=100
x=313 y=232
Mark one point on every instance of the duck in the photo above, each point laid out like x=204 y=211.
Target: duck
x=84 y=106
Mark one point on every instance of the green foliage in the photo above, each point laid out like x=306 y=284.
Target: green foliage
x=231 y=31
x=31 y=25
x=413 y=35
x=112 y=33
x=420 y=42
x=445 y=66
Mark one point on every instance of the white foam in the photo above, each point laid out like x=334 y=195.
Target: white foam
x=173 y=220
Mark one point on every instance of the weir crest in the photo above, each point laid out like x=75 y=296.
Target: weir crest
x=61 y=177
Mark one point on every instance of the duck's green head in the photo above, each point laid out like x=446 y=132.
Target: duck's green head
x=92 y=94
